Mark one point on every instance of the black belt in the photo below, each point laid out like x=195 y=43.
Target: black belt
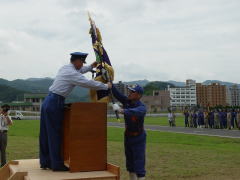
x=128 y=133
x=57 y=95
x=3 y=131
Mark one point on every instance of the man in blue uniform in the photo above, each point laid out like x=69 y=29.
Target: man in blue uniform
x=194 y=118
x=52 y=111
x=200 y=118
x=221 y=118
x=186 y=115
x=211 y=119
x=135 y=136
x=234 y=118
x=225 y=118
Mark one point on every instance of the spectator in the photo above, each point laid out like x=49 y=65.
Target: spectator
x=186 y=115
x=5 y=121
x=170 y=118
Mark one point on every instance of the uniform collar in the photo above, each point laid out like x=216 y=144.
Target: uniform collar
x=134 y=103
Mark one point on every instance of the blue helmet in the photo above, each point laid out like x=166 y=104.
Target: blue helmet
x=136 y=88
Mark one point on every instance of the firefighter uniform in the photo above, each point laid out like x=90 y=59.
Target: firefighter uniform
x=135 y=135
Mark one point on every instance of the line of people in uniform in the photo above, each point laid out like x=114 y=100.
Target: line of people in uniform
x=216 y=118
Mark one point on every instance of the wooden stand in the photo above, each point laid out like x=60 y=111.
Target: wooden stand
x=84 y=149
x=85 y=137
x=29 y=170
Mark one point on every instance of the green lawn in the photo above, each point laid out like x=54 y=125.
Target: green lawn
x=162 y=121
x=169 y=155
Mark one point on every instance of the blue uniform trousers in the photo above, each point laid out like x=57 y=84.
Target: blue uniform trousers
x=222 y=123
x=50 y=140
x=135 y=147
x=211 y=123
x=195 y=122
x=233 y=119
x=186 y=121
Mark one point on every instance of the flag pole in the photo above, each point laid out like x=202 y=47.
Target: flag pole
x=104 y=71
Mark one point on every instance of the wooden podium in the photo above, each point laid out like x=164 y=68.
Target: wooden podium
x=84 y=149
x=85 y=137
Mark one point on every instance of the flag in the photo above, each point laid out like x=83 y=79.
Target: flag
x=104 y=64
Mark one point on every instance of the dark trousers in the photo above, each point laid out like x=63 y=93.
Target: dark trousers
x=135 y=148
x=195 y=123
x=225 y=123
x=211 y=123
x=3 y=146
x=51 y=132
x=222 y=123
x=186 y=122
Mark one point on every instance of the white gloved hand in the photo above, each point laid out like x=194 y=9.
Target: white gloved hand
x=116 y=107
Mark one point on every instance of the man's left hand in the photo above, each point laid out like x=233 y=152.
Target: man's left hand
x=121 y=111
x=109 y=85
x=94 y=64
x=117 y=108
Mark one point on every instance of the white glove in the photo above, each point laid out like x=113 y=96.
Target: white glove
x=116 y=107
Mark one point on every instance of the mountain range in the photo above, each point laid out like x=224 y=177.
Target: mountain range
x=14 y=90
x=207 y=82
x=36 y=85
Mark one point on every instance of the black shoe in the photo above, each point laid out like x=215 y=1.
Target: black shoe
x=63 y=168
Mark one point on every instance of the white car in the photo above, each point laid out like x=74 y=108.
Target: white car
x=17 y=115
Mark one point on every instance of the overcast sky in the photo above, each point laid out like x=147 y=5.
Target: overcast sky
x=145 y=39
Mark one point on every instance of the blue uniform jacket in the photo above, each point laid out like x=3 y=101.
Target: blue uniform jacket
x=233 y=115
x=186 y=114
x=134 y=113
x=194 y=116
x=211 y=116
x=200 y=116
x=221 y=116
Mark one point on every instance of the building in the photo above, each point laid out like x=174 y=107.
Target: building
x=211 y=95
x=233 y=94
x=159 y=101
x=32 y=102
x=36 y=99
x=184 y=96
x=19 y=105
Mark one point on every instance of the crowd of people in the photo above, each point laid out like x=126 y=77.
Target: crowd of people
x=214 y=118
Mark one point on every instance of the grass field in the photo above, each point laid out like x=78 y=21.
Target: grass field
x=169 y=155
x=162 y=121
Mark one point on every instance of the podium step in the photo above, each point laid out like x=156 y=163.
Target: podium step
x=30 y=170
x=13 y=169
x=26 y=178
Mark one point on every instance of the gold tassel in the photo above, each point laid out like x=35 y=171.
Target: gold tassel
x=93 y=93
x=99 y=37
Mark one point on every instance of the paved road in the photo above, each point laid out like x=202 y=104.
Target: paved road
x=198 y=131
